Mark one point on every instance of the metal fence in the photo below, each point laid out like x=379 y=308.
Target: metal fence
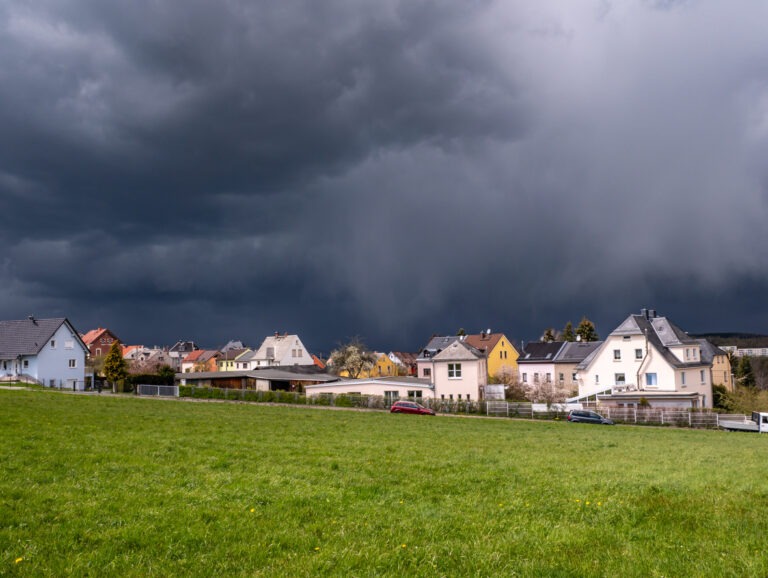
x=158 y=390
x=652 y=416
x=672 y=417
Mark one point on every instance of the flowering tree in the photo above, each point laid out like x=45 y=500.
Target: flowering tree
x=353 y=358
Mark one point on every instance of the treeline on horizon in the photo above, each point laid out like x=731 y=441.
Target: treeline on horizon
x=740 y=340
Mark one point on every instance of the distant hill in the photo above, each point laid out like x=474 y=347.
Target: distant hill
x=737 y=339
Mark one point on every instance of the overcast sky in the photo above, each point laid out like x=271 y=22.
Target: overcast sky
x=215 y=170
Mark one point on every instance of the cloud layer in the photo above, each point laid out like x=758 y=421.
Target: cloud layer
x=388 y=169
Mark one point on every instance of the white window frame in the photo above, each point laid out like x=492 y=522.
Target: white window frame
x=454 y=371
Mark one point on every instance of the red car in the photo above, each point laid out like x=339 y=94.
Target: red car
x=410 y=407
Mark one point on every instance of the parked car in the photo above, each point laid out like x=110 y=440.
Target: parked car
x=586 y=416
x=410 y=407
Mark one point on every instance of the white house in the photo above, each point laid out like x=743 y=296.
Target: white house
x=49 y=352
x=276 y=351
x=459 y=372
x=646 y=359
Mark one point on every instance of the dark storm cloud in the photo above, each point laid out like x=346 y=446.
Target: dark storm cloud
x=384 y=169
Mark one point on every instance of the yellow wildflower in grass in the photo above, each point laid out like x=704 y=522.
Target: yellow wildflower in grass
x=317 y=548
x=253 y=510
x=17 y=560
x=403 y=546
x=587 y=503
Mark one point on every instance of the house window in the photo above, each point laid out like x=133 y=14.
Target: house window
x=454 y=371
x=638 y=353
x=597 y=380
x=467 y=397
x=561 y=377
x=535 y=378
x=53 y=344
x=573 y=377
x=73 y=363
x=69 y=344
x=620 y=379
x=390 y=396
x=501 y=355
x=617 y=354
x=650 y=379
x=427 y=372
x=682 y=378
x=415 y=394
x=26 y=363
x=459 y=397
x=703 y=380
x=549 y=378
x=687 y=353
x=299 y=353
x=98 y=351
x=525 y=378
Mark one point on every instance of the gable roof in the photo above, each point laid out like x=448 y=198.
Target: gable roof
x=436 y=344
x=200 y=355
x=576 y=351
x=709 y=351
x=231 y=354
x=485 y=341
x=94 y=334
x=281 y=343
x=405 y=357
x=29 y=336
x=459 y=351
x=540 y=351
x=661 y=334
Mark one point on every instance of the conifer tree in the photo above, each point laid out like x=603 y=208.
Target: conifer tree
x=115 y=367
x=586 y=330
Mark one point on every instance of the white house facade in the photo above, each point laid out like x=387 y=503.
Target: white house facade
x=49 y=352
x=277 y=351
x=647 y=359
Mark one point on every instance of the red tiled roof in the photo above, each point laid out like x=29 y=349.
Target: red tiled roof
x=318 y=361
x=483 y=341
x=92 y=335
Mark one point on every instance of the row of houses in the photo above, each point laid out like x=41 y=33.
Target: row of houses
x=645 y=360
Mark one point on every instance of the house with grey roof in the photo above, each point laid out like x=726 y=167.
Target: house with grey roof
x=424 y=360
x=47 y=352
x=646 y=359
x=278 y=350
x=457 y=370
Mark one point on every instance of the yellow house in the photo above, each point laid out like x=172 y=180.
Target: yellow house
x=499 y=351
x=384 y=367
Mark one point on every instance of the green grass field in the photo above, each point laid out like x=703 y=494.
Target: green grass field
x=135 y=487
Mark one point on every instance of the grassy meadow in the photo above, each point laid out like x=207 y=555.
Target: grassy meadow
x=103 y=485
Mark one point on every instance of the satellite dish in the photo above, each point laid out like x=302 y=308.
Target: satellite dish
x=488 y=331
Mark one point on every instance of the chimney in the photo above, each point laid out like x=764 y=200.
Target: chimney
x=652 y=313
x=32 y=319
x=644 y=313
